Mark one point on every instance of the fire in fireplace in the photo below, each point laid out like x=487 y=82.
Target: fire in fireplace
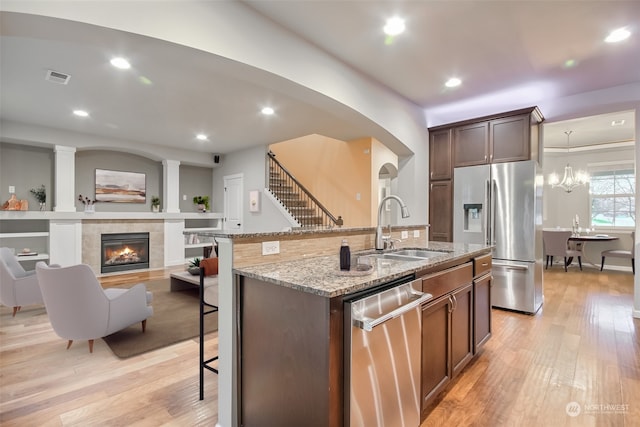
x=124 y=251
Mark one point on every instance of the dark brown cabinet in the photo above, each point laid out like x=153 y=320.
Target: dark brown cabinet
x=509 y=138
x=471 y=144
x=447 y=330
x=441 y=211
x=440 y=187
x=440 y=162
x=481 y=301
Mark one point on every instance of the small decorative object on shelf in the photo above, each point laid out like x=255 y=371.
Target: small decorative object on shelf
x=13 y=204
x=40 y=195
x=194 y=266
x=202 y=202
x=89 y=205
x=155 y=203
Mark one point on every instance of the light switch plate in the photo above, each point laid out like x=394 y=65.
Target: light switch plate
x=416 y=233
x=12 y=189
x=270 y=248
x=404 y=234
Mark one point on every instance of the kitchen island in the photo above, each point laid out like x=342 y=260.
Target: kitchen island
x=291 y=354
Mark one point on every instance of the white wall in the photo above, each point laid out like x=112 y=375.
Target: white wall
x=252 y=164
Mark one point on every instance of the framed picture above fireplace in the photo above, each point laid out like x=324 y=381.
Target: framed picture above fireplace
x=120 y=187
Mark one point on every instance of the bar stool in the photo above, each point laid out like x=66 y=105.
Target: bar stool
x=208 y=305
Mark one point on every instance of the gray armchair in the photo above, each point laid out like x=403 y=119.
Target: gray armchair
x=17 y=286
x=80 y=309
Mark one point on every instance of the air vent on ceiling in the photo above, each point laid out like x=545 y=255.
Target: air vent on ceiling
x=57 y=77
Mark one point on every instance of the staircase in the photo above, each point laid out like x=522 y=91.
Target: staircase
x=306 y=209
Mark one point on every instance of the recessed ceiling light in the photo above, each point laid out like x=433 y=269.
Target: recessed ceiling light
x=80 y=113
x=202 y=137
x=453 y=82
x=121 y=63
x=394 y=26
x=618 y=35
x=617 y=122
x=267 y=111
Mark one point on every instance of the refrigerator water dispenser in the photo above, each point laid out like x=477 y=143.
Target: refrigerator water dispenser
x=472 y=217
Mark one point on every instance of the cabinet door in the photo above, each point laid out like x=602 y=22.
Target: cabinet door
x=436 y=330
x=509 y=139
x=461 y=329
x=440 y=165
x=471 y=144
x=441 y=211
x=481 y=311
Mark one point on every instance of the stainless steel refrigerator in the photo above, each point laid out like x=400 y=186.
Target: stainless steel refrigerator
x=501 y=205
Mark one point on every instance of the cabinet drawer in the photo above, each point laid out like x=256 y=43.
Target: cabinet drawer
x=481 y=265
x=443 y=282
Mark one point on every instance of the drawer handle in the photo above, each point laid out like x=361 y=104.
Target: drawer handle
x=484 y=264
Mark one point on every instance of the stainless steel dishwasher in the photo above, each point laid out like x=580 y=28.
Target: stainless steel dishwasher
x=383 y=338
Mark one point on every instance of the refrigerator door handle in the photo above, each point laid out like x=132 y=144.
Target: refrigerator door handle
x=487 y=214
x=510 y=267
x=494 y=192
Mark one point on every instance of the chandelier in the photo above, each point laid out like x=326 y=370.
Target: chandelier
x=570 y=180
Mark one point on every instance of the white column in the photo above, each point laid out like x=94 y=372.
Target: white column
x=171 y=187
x=227 y=343
x=65 y=242
x=65 y=172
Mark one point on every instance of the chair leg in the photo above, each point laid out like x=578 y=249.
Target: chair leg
x=565 y=264
x=633 y=265
x=69 y=344
x=580 y=262
x=16 y=309
x=602 y=264
x=144 y=325
x=90 y=346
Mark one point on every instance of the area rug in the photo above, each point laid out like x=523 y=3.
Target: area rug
x=175 y=318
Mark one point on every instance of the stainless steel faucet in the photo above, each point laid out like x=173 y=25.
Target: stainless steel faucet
x=380 y=239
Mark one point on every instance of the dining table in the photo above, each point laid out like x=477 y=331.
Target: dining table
x=582 y=238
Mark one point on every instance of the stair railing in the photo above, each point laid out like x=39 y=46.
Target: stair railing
x=316 y=215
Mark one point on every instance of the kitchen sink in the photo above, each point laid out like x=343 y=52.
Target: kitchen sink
x=419 y=253
x=408 y=255
x=397 y=257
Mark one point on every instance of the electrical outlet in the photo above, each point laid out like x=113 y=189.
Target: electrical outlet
x=416 y=233
x=270 y=248
x=404 y=234
x=184 y=197
x=12 y=189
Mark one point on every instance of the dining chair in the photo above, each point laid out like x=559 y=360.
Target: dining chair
x=556 y=243
x=622 y=253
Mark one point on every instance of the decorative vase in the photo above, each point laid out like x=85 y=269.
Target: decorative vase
x=155 y=208
x=194 y=271
x=43 y=206
x=89 y=208
x=202 y=208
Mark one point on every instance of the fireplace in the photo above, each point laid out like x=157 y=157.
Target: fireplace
x=124 y=251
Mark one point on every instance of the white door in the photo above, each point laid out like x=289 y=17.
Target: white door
x=233 y=202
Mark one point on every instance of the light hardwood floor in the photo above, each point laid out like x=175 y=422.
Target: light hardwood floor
x=582 y=347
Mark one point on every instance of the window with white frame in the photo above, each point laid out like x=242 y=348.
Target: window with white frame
x=612 y=189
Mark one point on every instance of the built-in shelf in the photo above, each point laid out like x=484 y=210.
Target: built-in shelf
x=39 y=257
x=21 y=235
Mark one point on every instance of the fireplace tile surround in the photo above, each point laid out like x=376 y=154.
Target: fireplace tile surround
x=93 y=229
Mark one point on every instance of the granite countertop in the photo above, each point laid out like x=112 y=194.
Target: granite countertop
x=298 y=231
x=322 y=275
